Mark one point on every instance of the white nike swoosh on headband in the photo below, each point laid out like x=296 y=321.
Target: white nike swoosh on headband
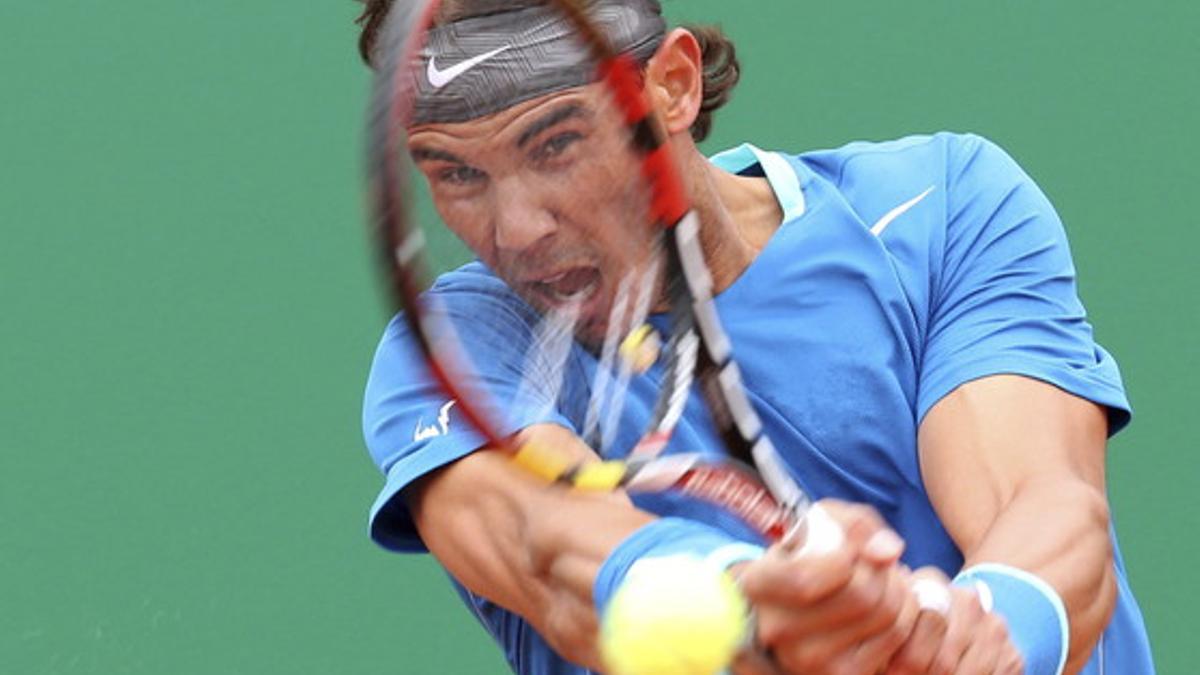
x=878 y=228
x=441 y=78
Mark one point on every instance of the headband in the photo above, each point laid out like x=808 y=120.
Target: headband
x=481 y=65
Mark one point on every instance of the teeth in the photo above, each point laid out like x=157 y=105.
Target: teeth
x=578 y=294
x=571 y=285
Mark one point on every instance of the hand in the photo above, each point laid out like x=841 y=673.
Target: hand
x=843 y=608
x=956 y=637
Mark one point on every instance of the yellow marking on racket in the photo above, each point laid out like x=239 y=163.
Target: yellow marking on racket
x=640 y=348
x=543 y=461
x=599 y=476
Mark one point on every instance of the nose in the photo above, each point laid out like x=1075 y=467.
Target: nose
x=523 y=216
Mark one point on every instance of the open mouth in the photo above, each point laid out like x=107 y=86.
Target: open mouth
x=570 y=286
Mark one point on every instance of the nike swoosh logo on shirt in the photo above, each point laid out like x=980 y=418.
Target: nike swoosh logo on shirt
x=440 y=78
x=878 y=228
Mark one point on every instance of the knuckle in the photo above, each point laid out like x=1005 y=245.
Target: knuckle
x=864 y=592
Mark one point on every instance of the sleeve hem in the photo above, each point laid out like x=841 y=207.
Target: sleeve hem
x=1076 y=383
x=390 y=523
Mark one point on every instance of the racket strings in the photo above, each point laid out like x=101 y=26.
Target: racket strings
x=698 y=350
x=610 y=392
x=592 y=433
x=543 y=373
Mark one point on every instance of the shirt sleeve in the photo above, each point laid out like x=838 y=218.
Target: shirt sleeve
x=1004 y=299
x=412 y=428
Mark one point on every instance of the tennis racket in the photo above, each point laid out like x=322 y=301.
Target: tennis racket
x=595 y=152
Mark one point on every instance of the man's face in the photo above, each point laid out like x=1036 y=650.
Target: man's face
x=549 y=195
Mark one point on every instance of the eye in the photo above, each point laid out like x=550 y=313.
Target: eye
x=459 y=175
x=556 y=145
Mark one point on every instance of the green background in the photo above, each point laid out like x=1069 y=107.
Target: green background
x=187 y=312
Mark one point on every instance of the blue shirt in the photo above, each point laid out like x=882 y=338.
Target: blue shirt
x=902 y=270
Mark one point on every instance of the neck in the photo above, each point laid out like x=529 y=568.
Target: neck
x=738 y=216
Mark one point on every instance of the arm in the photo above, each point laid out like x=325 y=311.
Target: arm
x=1015 y=470
x=538 y=552
x=532 y=550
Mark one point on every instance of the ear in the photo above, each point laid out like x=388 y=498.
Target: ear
x=675 y=82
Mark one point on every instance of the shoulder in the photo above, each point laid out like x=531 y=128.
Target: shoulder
x=947 y=180
x=473 y=299
x=483 y=316
x=472 y=283
x=938 y=156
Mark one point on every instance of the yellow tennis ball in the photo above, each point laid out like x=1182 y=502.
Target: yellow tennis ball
x=674 y=615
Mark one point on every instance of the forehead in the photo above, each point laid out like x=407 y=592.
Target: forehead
x=518 y=119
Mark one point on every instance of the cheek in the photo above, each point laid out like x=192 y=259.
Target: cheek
x=607 y=185
x=468 y=220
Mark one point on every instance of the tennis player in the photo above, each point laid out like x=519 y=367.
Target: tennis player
x=906 y=320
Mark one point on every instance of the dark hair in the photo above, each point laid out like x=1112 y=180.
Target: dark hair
x=721 y=70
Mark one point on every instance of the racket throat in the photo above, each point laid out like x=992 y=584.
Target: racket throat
x=741 y=495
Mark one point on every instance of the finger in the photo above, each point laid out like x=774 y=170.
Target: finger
x=931 y=592
x=1011 y=662
x=874 y=653
x=965 y=615
x=781 y=578
x=982 y=657
x=800 y=572
x=931 y=588
x=859 y=642
x=917 y=653
x=852 y=611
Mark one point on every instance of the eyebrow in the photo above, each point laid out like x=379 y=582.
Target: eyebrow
x=423 y=154
x=566 y=112
x=550 y=119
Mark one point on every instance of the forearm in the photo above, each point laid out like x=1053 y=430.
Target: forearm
x=1056 y=527
x=1015 y=469
x=533 y=550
